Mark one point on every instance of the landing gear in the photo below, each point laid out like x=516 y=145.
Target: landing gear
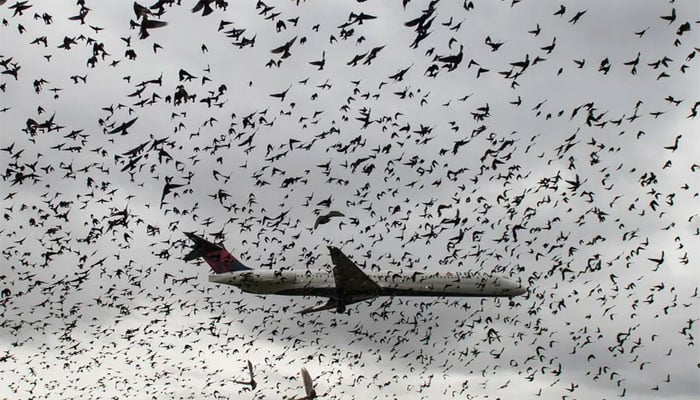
x=340 y=308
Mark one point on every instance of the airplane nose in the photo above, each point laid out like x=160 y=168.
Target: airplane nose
x=509 y=288
x=520 y=290
x=513 y=288
x=517 y=290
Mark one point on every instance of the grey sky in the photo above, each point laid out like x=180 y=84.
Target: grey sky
x=600 y=319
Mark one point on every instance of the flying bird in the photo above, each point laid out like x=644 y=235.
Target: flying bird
x=323 y=219
x=123 y=127
x=308 y=386
x=284 y=49
x=147 y=24
x=251 y=381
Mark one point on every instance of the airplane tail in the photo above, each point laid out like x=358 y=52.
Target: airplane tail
x=218 y=258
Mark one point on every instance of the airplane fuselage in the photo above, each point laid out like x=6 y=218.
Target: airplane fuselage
x=322 y=283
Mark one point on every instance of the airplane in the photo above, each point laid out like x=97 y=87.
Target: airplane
x=346 y=283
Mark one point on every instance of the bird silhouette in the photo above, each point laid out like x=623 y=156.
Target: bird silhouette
x=253 y=384
x=284 y=49
x=325 y=218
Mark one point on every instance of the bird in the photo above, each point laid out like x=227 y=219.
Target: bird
x=319 y=63
x=204 y=6
x=561 y=10
x=281 y=95
x=253 y=384
x=323 y=219
x=674 y=146
x=167 y=189
x=284 y=49
x=147 y=24
x=671 y=17
x=577 y=17
x=308 y=386
x=123 y=128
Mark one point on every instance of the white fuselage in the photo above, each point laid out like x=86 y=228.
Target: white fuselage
x=322 y=283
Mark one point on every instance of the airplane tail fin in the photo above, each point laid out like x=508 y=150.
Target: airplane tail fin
x=218 y=258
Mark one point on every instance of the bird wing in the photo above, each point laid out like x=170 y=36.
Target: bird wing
x=323 y=219
x=124 y=126
x=284 y=47
x=152 y=23
x=198 y=6
x=308 y=383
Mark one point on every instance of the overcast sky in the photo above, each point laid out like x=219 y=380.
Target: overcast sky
x=553 y=144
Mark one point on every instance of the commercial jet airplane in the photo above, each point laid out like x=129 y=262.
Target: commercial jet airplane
x=346 y=284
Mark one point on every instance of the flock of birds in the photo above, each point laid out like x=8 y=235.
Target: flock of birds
x=415 y=135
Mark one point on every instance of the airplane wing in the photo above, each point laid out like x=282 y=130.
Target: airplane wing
x=333 y=303
x=350 y=281
x=351 y=284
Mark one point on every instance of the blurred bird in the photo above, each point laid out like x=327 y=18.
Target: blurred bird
x=251 y=382
x=324 y=219
x=308 y=386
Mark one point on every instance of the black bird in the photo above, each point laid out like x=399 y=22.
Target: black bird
x=19 y=7
x=658 y=261
x=205 y=6
x=280 y=95
x=141 y=11
x=123 y=127
x=634 y=64
x=398 y=77
x=674 y=147
x=167 y=189
x=284 y=49
x=251 y=382
x=81 y=15
x=147 y=24
x=356 y=19
x=576 y=17
x=642 y=32
x=493 y=45
x=326 y=202
x=323 y=219
x=670 y=18
x=319 y=63
x=67 y=43
x=536 y=31
x=561 y=11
